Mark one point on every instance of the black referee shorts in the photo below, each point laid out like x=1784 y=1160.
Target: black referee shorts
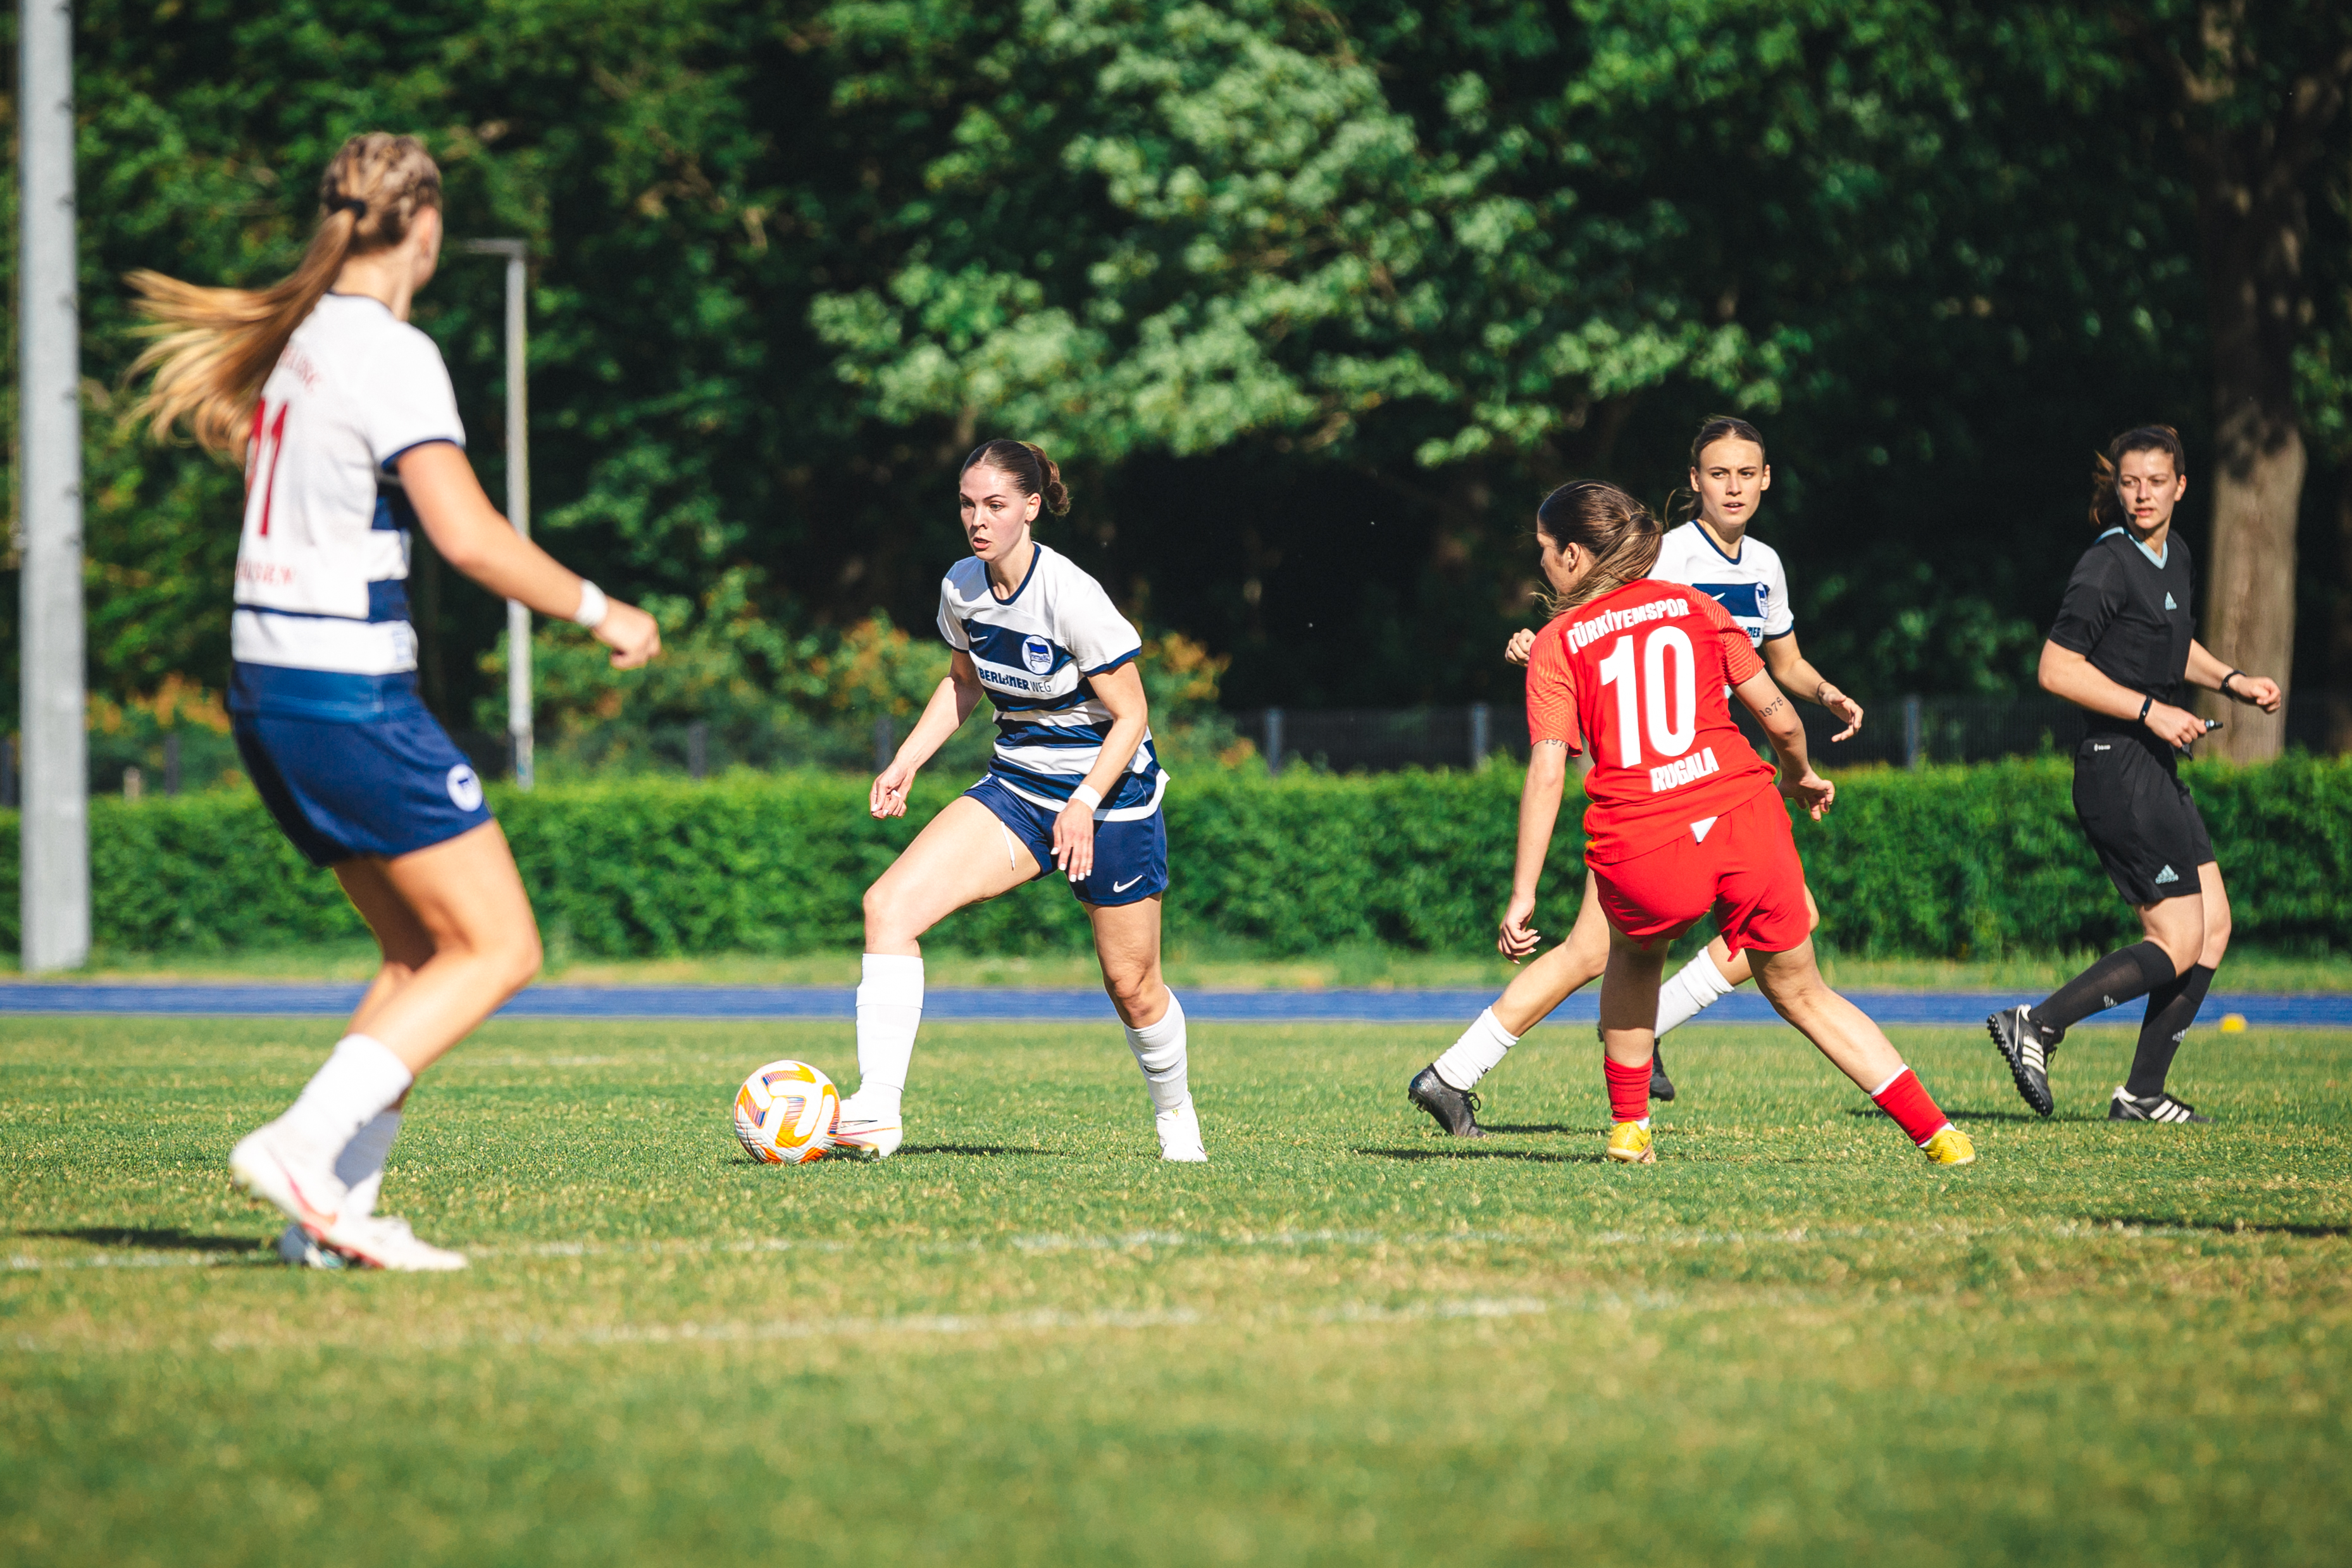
x=2146 y=831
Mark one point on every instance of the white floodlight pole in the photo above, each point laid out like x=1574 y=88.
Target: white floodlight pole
x=56 y=821
x=518 y=713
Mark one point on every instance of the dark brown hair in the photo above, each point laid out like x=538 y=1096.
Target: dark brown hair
x=1028 y=466
x=1617 y=531
x=2106 y=510
x=213 y=348
x=1716 y=428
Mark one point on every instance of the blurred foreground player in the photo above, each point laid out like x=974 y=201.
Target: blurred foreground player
x=346 y=421
x=2120 y=650
x=1685 y=820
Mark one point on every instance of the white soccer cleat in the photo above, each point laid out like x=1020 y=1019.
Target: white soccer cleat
x=380 y=1241
x=1179 y=1135
x=861 y=1130
x=290 y=1176
x=295 y=1246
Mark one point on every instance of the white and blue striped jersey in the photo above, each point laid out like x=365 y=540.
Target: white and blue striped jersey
x=1751 y=587
x=321 y=629
x=1037 y=653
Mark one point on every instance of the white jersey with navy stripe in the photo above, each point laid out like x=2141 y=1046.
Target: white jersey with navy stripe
x=322 y=568
x=1750 y=586
x=1037 y=654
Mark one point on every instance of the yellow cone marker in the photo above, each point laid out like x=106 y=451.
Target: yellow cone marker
x=2234 y=1022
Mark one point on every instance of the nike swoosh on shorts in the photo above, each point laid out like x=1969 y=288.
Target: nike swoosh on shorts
x=1122 y=886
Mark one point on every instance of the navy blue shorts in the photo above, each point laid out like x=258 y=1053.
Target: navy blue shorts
x=389 y=786
x=1130 y=853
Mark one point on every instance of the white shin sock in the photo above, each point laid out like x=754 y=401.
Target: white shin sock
x=889 y=1010
x=361 y=1166
x=1474 y=1055
x=1159 y=1051
x=1690 y=991
x=362 y=1080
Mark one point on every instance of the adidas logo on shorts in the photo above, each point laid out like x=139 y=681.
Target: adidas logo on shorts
x=2167 y=875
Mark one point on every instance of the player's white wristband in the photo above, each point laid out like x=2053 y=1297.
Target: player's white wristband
x=1088 y=796
x=592 y=605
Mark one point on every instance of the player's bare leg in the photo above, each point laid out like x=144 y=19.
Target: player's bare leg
x=458 y=940
x=1126 y=944
x=963 y=856
x=1445 y=1087
x=1716 y=973
x=1629 y=1015
x=1858 y=1048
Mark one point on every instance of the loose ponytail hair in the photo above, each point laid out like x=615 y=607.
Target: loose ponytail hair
x=2106 y=510
x=1032 y=472
x=1617 y=531
x=211 y=349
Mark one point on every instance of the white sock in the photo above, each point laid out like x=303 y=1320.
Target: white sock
x=1690 y=991
x=1159 y=1051
x=360 y=1080
x=361 y=1166
x=890 y=1011
x=1474 y=1055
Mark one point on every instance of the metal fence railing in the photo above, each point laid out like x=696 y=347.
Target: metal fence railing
x=1905 y=732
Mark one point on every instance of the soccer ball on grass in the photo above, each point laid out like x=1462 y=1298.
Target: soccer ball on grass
x=784 y=1114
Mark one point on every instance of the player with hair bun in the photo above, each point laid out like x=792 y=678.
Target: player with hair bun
x=348 y=428
x=1074 y=784
x=2121 y=649
x=1684 y=820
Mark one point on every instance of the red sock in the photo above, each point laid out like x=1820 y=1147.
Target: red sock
x=1906 y=1100
x=1628 y=1089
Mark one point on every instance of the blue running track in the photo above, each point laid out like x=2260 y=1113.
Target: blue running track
x=1944 y=1009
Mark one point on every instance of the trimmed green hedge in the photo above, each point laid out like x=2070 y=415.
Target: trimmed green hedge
x=1942 y=862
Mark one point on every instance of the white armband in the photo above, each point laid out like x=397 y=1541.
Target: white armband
x=1088 y=796
x=592 y=605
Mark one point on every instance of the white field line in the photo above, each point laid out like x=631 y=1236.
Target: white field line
x=1139 y=1240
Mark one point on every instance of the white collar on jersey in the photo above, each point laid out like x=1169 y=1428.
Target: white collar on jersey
x=2154 y=556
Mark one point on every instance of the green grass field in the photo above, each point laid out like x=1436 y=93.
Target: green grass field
x=1023 y=1340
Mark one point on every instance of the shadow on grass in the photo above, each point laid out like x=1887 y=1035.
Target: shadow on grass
x=1544 y=1127
x=977 y=1151
x=1475 y=1152
x=149 y=1240
x=2219 y=1227
x=1970 y=1113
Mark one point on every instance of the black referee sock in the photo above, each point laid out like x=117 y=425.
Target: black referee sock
x=2172 y=1009
x=2126 y=973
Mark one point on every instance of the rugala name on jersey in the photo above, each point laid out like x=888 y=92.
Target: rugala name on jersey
x=1683 y=770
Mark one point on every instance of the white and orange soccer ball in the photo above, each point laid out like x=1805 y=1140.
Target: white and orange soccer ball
x=784 y=1114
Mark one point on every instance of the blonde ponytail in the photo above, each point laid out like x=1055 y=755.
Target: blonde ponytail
x=211 y=349
x=1610 y=526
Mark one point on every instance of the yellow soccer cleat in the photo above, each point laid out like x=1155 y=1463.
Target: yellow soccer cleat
x=1629 y=1143
x=1949 y=1146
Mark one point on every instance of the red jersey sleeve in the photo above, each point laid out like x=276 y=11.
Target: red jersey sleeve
x=1740 y=658
x=1551 y=690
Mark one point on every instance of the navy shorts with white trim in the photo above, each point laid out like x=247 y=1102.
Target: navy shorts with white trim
x=1130 y=853
x=388 y=785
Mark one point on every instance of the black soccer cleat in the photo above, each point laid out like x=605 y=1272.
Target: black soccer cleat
x=1661 y=1086
x=2026 y=1049
x=1455 y=1109
x=2128 y=1106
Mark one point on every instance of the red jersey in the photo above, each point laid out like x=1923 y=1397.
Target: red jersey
x=1643 y=671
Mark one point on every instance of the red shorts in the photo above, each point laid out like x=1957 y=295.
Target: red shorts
x=1745 y=869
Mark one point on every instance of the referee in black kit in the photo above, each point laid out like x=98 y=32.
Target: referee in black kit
x=2121 y=649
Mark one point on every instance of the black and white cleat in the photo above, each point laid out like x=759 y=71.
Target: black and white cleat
x=2026 y=1049
x=1455 y=1109
x=2127 y=1107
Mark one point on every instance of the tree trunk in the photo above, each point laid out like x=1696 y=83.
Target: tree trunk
x=2253 y=227
x=2339 y=695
